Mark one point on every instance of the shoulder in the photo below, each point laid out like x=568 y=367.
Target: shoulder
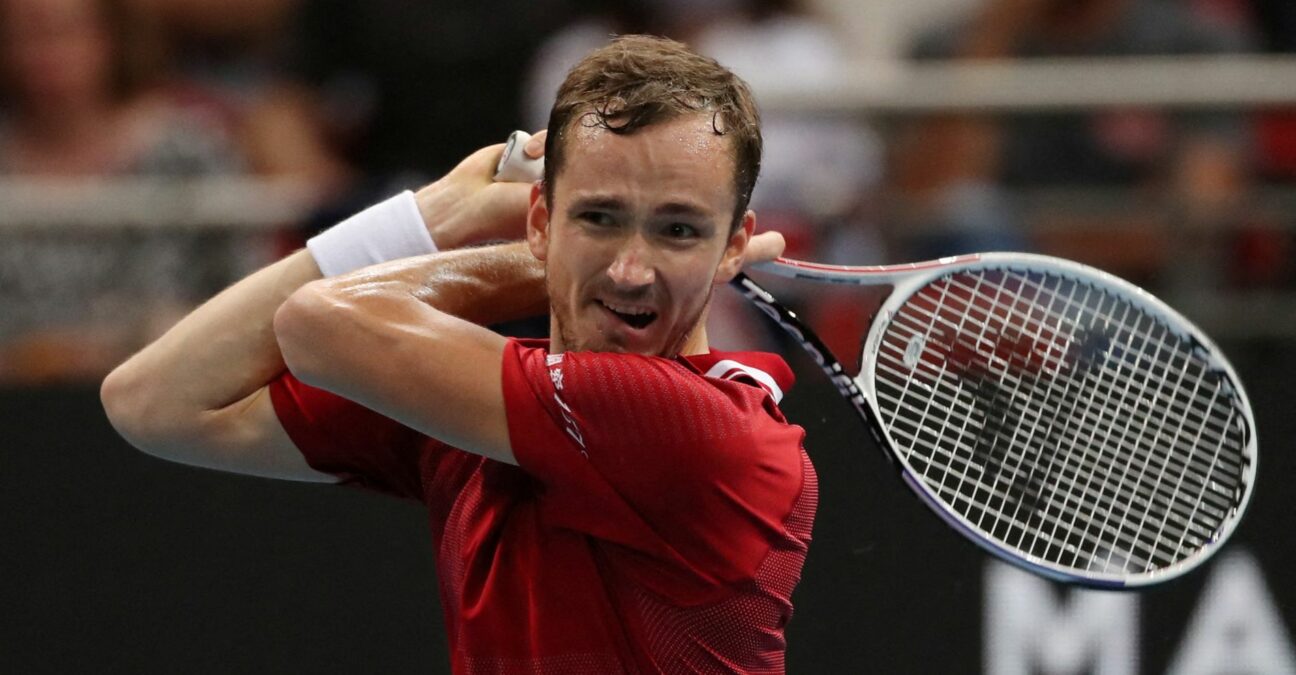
x=768 y=372
x=712 y=401
x=607 y=374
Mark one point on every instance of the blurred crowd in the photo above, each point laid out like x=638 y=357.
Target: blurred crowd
x=359 y=99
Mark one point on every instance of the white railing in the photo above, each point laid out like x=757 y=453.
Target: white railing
x=1187 y=82
x=77 y=211
x=225 y=203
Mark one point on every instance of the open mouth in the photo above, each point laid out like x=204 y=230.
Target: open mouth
x=635 y=317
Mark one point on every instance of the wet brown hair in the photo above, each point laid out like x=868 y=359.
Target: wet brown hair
x=639 y=80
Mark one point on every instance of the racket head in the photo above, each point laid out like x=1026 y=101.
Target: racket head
x=1099 y=439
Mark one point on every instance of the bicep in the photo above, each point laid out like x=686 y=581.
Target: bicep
x=247 y=437
x=426 y=369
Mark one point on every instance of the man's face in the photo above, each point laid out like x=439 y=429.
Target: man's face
x=637 y=236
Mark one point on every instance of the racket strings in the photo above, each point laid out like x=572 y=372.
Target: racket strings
x=1073 y=488
x=1062 y=420
x=995 y=492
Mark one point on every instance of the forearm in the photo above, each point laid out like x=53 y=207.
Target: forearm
x=484 y=285
x=405 y=339
x=221 y=353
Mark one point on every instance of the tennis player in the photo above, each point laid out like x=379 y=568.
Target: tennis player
x=618 y=498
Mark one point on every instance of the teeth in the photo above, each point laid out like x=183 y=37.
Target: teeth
x=627 y=309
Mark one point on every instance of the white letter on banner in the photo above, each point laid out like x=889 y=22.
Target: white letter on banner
x=1236 y=627
x=1029 y=630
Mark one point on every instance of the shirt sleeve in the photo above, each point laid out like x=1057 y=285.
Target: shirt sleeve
x=696 y=473
x=338 y=436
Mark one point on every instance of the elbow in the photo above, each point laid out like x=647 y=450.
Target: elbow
x=126 y=402
x=301 y=327
x=144 y=413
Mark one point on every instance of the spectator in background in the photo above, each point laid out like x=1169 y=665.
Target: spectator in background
x=1275 y=22
x=421 y=83
x=1266 y=253
x=76 y=101
x=953 y=166
x=229 y=56
x=591 y=24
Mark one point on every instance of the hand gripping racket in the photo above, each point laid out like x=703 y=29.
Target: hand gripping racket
x=1061 y=418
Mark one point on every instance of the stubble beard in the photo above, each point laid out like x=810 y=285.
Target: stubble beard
x=560 y=311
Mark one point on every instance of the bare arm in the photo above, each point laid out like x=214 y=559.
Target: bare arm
x=198 y=394
x=404 y=339
x=408 y=344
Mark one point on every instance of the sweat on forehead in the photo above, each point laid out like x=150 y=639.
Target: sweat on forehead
x=695 y=131
x=637 y=81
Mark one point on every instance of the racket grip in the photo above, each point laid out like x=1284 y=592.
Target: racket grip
x=514 y=166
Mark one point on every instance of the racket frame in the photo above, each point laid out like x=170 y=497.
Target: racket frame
x=861 y=389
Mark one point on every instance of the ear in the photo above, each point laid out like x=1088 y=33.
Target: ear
x=736 y=250
x=537 y=231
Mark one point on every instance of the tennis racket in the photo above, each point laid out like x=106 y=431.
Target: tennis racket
x=1061 y=418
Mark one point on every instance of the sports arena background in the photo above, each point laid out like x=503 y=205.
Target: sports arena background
x=152 y=151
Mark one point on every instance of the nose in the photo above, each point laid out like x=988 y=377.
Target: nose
x=633 y=266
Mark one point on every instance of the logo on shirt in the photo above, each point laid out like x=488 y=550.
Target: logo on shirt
x=569 y=422
x=554 y=361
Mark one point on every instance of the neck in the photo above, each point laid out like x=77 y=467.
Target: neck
x=696 y=342
x=693 y=344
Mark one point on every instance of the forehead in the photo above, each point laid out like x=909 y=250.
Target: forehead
x=683 y=153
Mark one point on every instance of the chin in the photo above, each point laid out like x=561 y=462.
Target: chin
x=584 y=334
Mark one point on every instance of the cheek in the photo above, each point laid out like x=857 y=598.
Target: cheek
x=694 y=283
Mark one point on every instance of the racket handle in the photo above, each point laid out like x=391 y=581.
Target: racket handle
x=514 y=166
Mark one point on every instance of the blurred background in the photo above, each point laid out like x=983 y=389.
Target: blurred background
x=154 y=151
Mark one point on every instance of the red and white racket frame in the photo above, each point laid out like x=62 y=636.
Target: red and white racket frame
x=908 y=278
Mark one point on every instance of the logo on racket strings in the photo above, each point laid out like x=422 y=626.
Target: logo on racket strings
x=913 y=350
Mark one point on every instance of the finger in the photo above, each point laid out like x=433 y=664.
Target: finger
x=482 y=163
x=516 y=166
x=504 y=212
x=508 y=197
x=535 y=147
x=765 y=247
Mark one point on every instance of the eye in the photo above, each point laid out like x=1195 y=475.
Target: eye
x=597 y=218
x=681 y=231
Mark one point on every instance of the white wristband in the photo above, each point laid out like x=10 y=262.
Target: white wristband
x=388 y=230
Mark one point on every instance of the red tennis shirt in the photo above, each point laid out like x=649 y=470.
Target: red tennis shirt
x=657 y=520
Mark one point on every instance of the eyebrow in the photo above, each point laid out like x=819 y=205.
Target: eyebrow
x=597 y=202
x=608 y=203
x=683 y=209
